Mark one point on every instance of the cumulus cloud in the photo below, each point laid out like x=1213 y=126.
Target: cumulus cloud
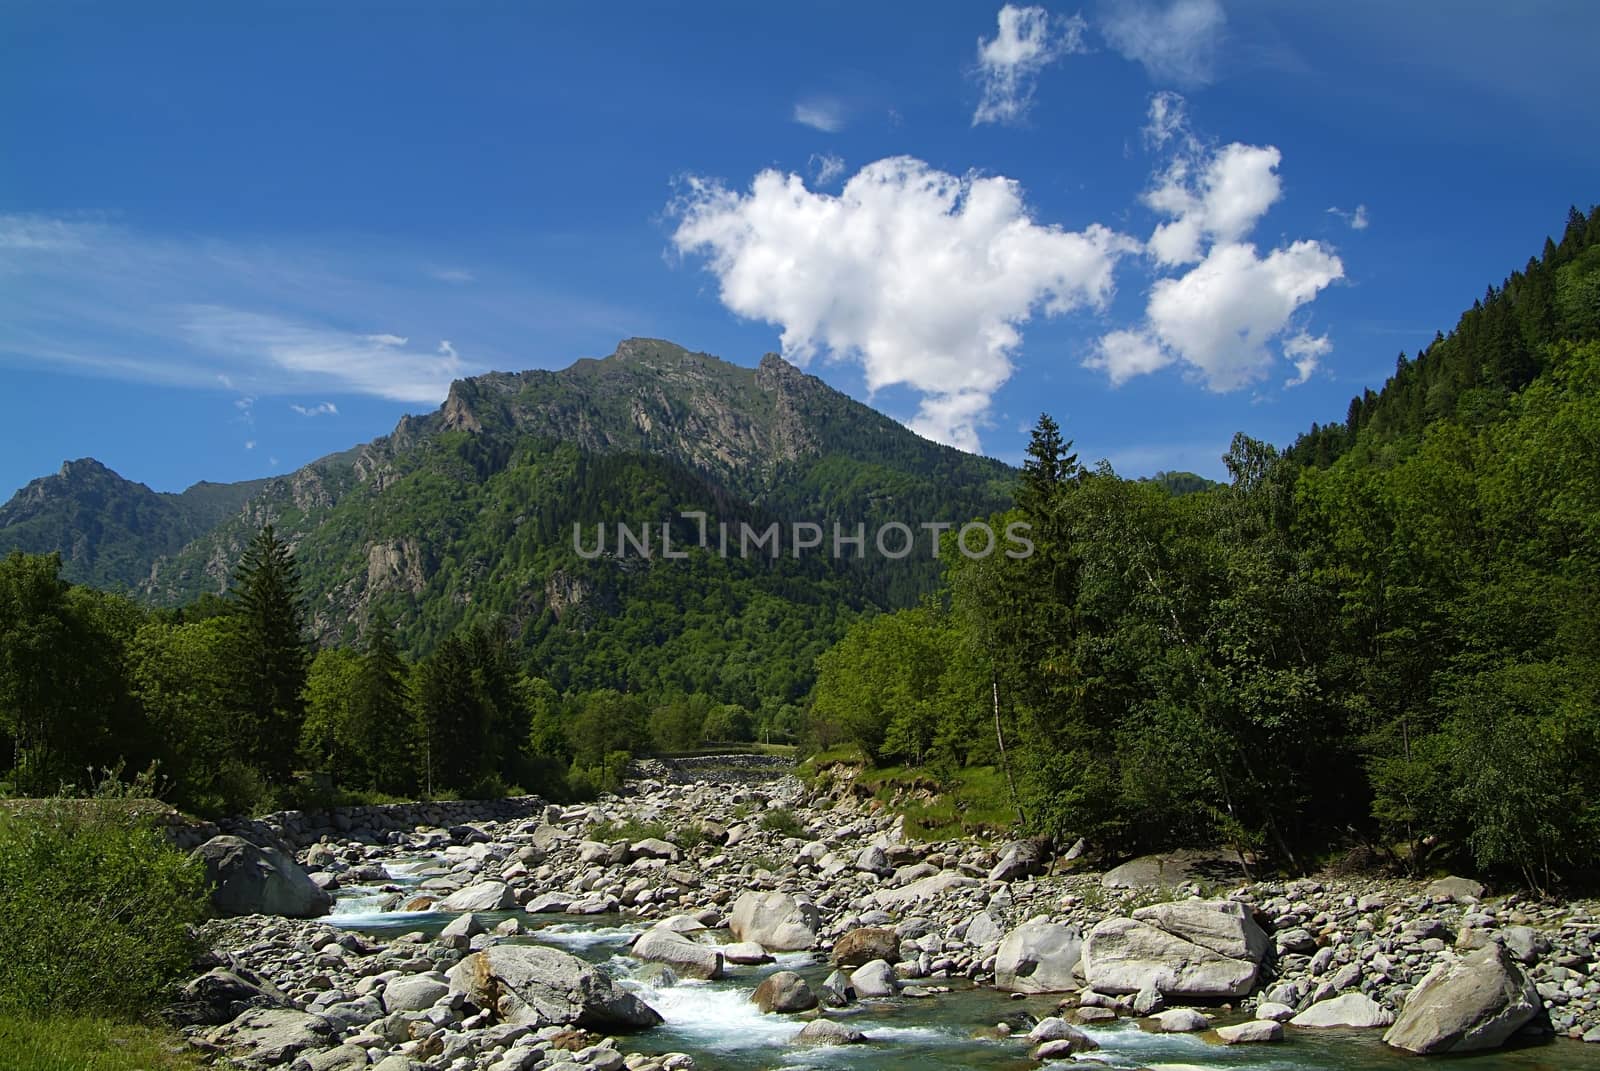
x=324 y=409
x=1219 y=199
x=1221 y=317
x=1028 y=40
x=923 y=277
x=1306 y=352
x=1356 y=218
x=1176 y=43
x=820 y=113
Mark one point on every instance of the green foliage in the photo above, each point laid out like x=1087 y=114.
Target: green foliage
x=95 y=911
x=1388 y=633
x=629 y=831
x=272 y=652
x=92 y=1043
x=782 y=821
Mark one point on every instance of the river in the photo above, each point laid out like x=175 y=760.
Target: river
x=716 y=1023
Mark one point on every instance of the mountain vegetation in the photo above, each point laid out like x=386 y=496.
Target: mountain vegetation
x=1382 y=639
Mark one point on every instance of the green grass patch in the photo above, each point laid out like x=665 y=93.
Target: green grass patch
x=88 y=1043
x=782 y=821
x=629 y=831
x=974 y=802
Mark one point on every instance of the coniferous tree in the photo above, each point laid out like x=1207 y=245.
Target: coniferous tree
x=273 y=654
x=383 y=711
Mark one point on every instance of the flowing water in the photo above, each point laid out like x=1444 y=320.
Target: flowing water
x=716 y=1023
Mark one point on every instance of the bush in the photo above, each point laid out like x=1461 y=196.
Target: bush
x=782 y=821
x=95 y=910
x=630 y=831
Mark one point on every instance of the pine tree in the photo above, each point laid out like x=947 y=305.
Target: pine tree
x=1049 y=464
x=383 y=711
x=273 y=655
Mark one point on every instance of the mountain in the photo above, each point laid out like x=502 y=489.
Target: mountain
x=109 y=530
x=468 y=514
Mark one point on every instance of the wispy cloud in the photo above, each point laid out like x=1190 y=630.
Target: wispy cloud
x=105 y=300
x=1027 y=40
x=1356 y=218
x=1175 y=42
x=825 y=167
x=820 y=113
x=324 y=409
x=452 y=275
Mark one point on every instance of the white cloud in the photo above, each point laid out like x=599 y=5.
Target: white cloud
x=1168 y=118
x=324 y=409
x=249 y=444
x=1125 y=354
x=1306 y=352
x=825 y=167
x=376 y=364
x=1221 y=316
x=923 y=277
x=1356 y=218
x=452 y=275
x=1220 y=199
x=820 y=113
x=1176 y=43
x=1028 y=40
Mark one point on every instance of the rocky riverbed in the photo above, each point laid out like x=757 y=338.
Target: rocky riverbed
x=751 y=923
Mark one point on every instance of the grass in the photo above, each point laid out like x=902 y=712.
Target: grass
x=87 y=1043
x=630 y=831
x=974 y=802
x=782 y=821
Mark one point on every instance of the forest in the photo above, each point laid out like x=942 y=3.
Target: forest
x=1383 y=640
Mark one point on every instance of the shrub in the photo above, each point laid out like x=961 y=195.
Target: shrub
x=630 y=831
x=96 y=910
x=782 y=821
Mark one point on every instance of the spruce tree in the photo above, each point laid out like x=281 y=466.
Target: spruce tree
x=273 y=655
x=382 y=715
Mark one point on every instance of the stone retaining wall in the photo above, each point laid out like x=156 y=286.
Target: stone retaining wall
x=298 y=829
x=716 y=769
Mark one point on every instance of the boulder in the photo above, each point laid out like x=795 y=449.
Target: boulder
x=1278 y=1013
x=269 y=1037
x=690 y=959
x=550 y=903
x=982 y=930
x=744 y=953
x=931 y=887
x=414 y=992
x=783 y=992
x=534 y=985
x=837 y=990
x=343 y=1058
x=875 y=979
x=1019 y=859
x=220 y=996
x=1203 y=950
x=828 y=1032
x=1038 y=957
x=248 y=879
x=1255 y=1031
x=652 y=848
x=1223 y=926
x=865 y=944
x=1456 y=890
x=484 y=896
x=1472 y=1004
x=1182 y=1021
x=1169 y=869
x=1355 y=1010
x=775 y=921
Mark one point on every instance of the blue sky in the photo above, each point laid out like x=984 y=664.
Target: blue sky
x=234 y=238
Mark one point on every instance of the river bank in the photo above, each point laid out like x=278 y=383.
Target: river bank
x=516 y=944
